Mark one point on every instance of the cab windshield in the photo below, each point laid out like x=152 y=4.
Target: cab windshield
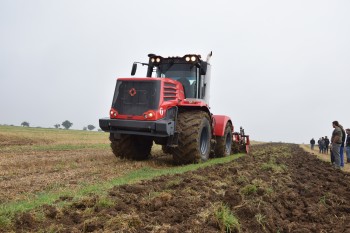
x=187 y=74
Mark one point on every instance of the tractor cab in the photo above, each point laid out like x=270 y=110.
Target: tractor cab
x=192 y=72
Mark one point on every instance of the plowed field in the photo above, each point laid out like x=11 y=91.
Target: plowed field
x=278 y=188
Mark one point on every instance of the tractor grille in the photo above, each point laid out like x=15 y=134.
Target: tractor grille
x=169 y=91
x=136 y=97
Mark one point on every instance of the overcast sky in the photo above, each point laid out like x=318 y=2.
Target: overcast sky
x=280 y=69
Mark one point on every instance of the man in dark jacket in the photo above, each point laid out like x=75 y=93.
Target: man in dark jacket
x=312 y=143
x=319 y=142
x=326 y=143
x=322 y=145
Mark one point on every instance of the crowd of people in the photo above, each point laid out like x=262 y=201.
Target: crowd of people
x=340 y=140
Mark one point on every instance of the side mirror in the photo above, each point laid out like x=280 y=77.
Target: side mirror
x=133 y=69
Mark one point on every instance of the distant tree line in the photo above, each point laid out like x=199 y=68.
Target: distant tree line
x=65 y=124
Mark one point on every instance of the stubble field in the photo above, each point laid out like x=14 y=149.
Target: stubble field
x=72 y=183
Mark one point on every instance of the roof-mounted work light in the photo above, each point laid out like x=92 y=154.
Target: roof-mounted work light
x=191 y=58
x=156 y=59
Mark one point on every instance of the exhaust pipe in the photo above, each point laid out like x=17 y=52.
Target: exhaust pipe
x=209 y=56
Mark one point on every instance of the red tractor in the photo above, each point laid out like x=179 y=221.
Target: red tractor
x=169 y=107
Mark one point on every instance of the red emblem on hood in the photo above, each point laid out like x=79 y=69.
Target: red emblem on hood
x=132 y=91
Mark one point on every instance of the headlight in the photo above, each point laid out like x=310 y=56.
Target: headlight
x=187 y=59
x=152 y=59
x=147 y=115
x=193 y=58
x=157 y=59
x=113 y=113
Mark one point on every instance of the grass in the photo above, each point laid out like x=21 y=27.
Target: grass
x=249 y=189
x=42 y=139
x=5 y=221
x=152 y=195
x=104 y=202
x=52 y=229
x=323 y=200
x=174 y=182
x=273 y=166
x=56 y=138
x=261 y=219
x=70 y=147
x=124 y=222
x=8 y=210
x=242 y=180
x=226 y=220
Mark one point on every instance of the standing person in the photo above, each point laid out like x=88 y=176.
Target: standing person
x=341 y=151
x=347 y=144
x=241 y=130
x=319 y=145
x=331 y=153
x=336 y=141
x=326 y=143
x=312 y=143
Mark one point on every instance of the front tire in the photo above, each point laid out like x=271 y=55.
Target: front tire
x=194 y=137
x=132 y=147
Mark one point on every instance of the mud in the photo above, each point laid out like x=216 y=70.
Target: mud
x=278 y=188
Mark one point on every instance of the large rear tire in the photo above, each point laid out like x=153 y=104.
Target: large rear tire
x=194 y=137
x=223 y=144
x=133 y=147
